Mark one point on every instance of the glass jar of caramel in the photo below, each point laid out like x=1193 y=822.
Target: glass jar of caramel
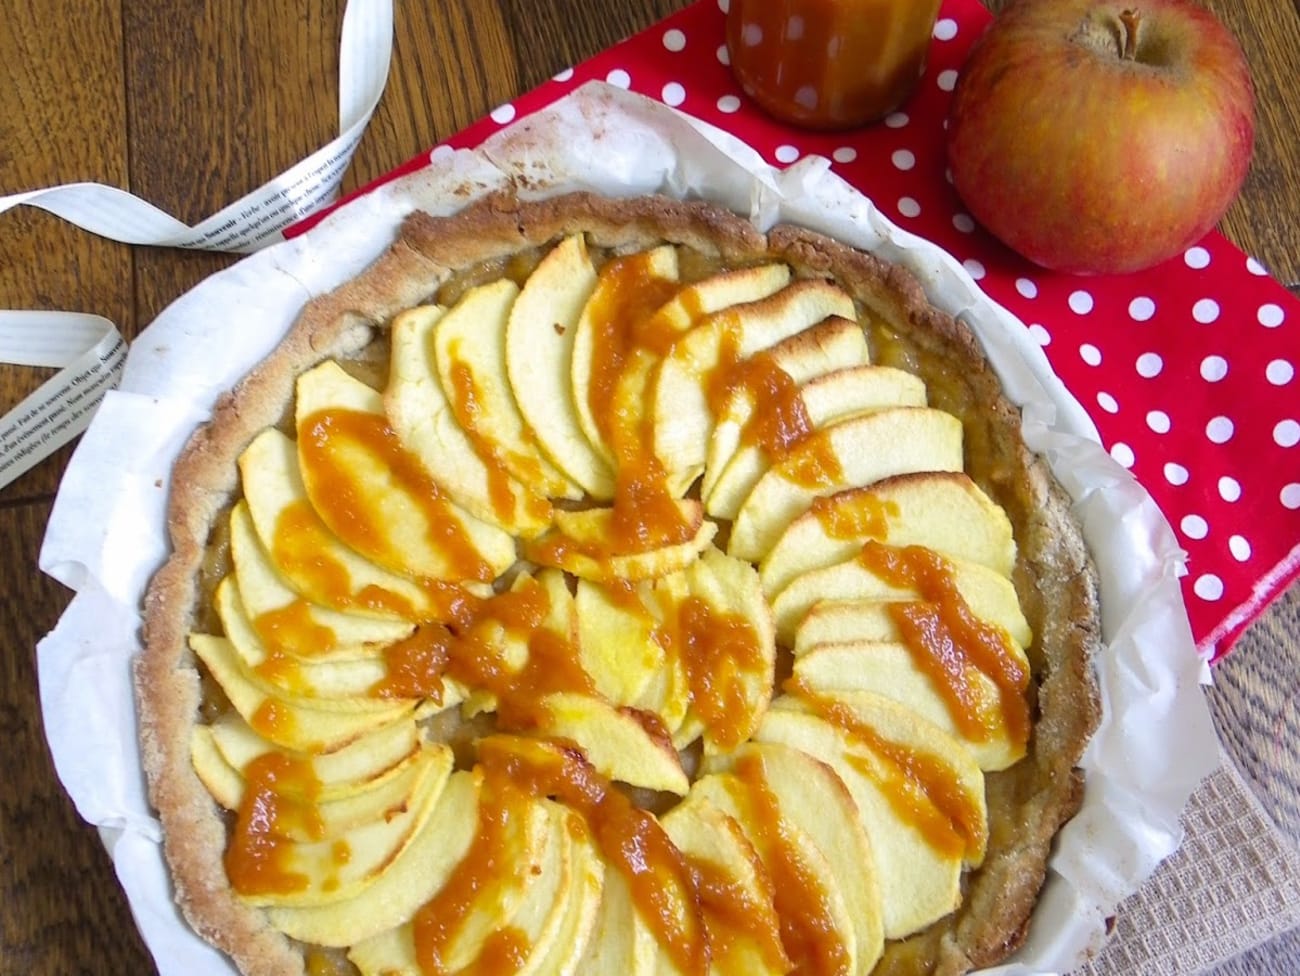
x=829 y=64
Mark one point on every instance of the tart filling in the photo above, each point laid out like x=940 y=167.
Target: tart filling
x=604 y=586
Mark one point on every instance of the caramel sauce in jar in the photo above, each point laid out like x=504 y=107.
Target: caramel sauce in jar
x=829 y=64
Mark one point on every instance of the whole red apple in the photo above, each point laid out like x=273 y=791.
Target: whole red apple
x=1101 y=136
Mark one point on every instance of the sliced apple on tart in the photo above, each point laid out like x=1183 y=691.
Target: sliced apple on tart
x=422 y=867
x=425 y=421
x=711 y=358
x=470 y=355
x=847 y=454
x=877 y=571
x=919 y=793
x=944 y=511
x=833 y=344
x=539 y=344
x=290 y=624
x=816 y=405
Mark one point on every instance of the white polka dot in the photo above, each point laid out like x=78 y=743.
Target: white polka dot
x=1027 y=288
x=963 y=222
x=845 y=154
x=909 y=207
x=1206 y=311
x=503 y=114
x=1240 y=548
x=728 y=104
x=896 y=120
x=807 y=97
x=974 y=268
x=1287 y=433
x=1080 y=302
x=947 y=79
x=724 y=56
x=903 y=159
x=1271 y=316
x=1220 y=430
x=1290 y=496
x=751 y=35
x=1229 y=489
x=945 y=29
x=1123 y=454
x=1149 y=365
x=564 y=75
x=794 y=28
x=724 y=5
x=786 y=153
x=1197 y=258
x=1159 y=421
x=1107 y=402
x=1208 y=587
x=674 y=39
x=443 y=151
x=1194 y=527
x=1040 y=335
x=1141 y=309
x=947 y=175
x=674 y=94
x=1213 y=368
x=1090 y=354
x=619 y=78
x=1176 y=474
x=1280 y=372
x=1255 y=268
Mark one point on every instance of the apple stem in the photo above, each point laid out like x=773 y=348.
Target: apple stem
x=1132 y=21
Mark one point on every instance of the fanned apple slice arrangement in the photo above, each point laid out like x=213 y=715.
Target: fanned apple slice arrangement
x=496 y=659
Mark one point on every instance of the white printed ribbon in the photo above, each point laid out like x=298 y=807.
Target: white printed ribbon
x=88 y=350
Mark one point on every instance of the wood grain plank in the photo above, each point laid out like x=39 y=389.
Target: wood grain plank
x=63 y=120
x=223 y=95
x=73 y=916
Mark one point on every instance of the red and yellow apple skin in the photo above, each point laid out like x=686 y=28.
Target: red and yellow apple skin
x=1101 y=136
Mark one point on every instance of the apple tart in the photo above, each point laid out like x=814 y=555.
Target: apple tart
x=603 y=585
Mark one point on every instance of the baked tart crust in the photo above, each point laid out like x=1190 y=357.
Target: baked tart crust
x=442 y=258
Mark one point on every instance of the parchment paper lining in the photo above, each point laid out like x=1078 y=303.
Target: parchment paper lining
x=106 y=533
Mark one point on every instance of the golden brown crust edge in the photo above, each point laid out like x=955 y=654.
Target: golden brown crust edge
x=1001 y=896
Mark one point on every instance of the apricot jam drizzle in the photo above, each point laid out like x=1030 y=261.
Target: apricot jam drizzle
x=630 y=839
x=856 y=514
x=779 y=421
x=628 y=293
x=489 y=865
x=812 y=463
x=466 y=406
x=951 y=644
x=733 y=915
x=721 y=654
x=280 y=794
x=272 y=720
x=472 y=652
x=329 y=443
x=920 y=789
x=628 y=341
x=802 y=903
x=301 y=546
x=292 y=630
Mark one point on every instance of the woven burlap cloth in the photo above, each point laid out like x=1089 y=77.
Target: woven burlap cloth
x=1227 y=903
x=1233 y=884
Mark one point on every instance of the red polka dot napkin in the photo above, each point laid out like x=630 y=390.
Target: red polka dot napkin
x=1188 y=369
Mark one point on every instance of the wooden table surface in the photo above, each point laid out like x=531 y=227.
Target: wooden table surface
x=192 y=103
